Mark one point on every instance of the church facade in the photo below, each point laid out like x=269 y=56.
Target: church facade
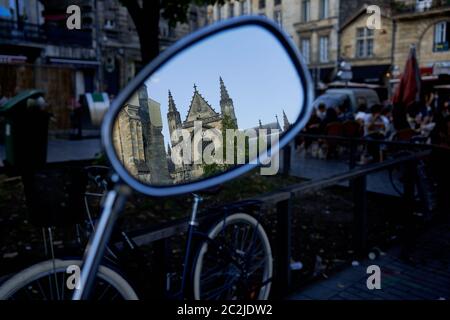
x=140 y=144
x=199 y=110
x=139 y=141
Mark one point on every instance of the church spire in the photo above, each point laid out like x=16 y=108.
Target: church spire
x=286 y=123
x=226 y=103
x=172 y=107
x=278 y=122
x=223 y=91
x=174 y=120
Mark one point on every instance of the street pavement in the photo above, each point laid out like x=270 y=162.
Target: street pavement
x=305 y=166
x=60 y=150
x=424 y=277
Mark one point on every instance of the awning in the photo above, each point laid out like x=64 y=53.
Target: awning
x=12 y=59
x=77 y=62
x=370 y=74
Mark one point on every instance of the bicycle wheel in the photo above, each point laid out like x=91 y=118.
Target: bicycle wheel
x=235 y=262
x=48 y=281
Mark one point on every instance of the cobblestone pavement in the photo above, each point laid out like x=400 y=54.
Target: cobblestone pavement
x=426 y=277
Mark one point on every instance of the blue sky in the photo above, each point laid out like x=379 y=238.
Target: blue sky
x=257 y=72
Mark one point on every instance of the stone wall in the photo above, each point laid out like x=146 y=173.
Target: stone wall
x=418 y=29
x=382 y=42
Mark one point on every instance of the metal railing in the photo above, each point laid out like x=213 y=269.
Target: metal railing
x=282 y=201
x=400 y=8
x=14 y=30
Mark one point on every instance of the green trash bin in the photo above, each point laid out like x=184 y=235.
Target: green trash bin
x=26 y=132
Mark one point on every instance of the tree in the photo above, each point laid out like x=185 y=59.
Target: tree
x=146 y=15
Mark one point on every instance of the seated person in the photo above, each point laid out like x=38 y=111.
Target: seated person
x=344 y=113
x=375 y=129
x=362 y=114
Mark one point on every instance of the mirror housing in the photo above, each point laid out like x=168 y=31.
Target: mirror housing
x=166 y=56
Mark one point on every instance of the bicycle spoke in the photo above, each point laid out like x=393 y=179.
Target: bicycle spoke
x=42 y=290
x=218 y=291
x=104 y=292
x=63 y=285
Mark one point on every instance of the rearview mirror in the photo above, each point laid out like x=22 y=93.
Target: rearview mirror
x=212 y=107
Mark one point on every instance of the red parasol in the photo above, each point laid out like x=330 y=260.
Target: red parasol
x=408 y=91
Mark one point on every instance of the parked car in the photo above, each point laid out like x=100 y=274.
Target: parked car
x=352 y=96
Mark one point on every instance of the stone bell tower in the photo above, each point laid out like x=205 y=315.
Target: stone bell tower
x=174 y=120
x=155 y=151
x=226 y=103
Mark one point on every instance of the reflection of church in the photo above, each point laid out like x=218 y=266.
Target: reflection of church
x=139 y=142
x=138 y=139
x=199 y=110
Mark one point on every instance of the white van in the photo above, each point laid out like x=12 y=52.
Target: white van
x=353 y=96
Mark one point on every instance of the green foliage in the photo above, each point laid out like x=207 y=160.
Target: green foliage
x=176 y=10
x=216 y=168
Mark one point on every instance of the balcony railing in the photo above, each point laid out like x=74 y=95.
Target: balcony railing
x=28 y=32
x=400 y=7
x=22 y=31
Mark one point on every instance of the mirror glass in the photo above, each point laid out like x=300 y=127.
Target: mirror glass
x=219 y=103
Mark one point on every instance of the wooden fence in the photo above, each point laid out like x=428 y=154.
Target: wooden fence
x=57 y=82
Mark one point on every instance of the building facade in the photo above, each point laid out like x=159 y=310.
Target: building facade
x=37 y=50
x=119 y=42
x=369 y=51
x=426 y=25
x=199 y=110
x=140 y=144
x=317 y=33
x=138 y=139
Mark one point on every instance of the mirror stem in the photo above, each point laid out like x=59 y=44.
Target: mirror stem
x=114 y=202
x=193 y=223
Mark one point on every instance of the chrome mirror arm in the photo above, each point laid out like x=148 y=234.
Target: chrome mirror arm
x=114 y=203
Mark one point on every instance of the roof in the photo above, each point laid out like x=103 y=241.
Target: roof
x=199 y=108
x=362 y=10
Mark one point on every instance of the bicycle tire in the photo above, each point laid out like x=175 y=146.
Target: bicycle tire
x=44 y=269
x=236 y=218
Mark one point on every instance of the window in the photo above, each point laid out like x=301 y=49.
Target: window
x=261 y=4
x=323 y=53
x=219 y=13
x=244 y=7
x=441 y=36
x=306 y=7
x=230 y=10
x=324 y=9
x=109 y=24
x=422 y=5
x=306 y=49
x=277 y=16
x=277 y=2
x=364 y=42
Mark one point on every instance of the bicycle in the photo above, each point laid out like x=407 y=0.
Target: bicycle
x=221 y=268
